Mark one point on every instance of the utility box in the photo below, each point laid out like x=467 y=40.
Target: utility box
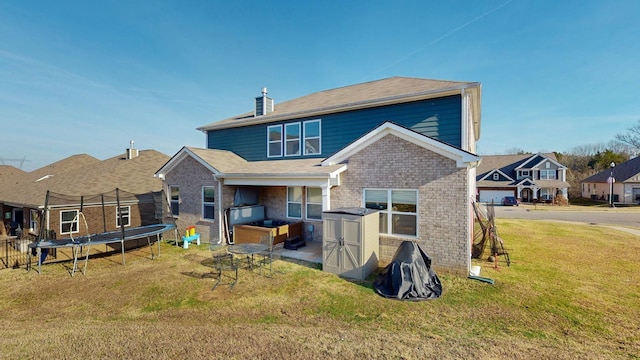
x=350 y=242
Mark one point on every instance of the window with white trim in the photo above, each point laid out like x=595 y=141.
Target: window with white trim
x=314 y=203
x=398 y=210
x=174 y=199
x=33 y=221
x=312 y=137
x=69 y=221
x=294 y=202
x=274 y=141
x=496 y=176
x=126 y=215
x=292 y=139
x=547 y=174
x=208 y=202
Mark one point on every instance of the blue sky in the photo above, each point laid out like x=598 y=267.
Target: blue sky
x=89 y=76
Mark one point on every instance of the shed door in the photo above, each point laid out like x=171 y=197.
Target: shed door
x=352 y=248
x=331 y=245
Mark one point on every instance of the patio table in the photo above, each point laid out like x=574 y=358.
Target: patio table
x=248 y=249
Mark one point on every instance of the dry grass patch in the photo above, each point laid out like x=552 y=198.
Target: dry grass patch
x=571 y=291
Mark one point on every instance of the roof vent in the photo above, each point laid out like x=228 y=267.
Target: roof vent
x=264 y=104
x=131 y=151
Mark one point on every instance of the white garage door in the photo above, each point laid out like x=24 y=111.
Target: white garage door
x=496 y=195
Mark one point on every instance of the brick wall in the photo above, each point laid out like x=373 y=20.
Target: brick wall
x=191 y=176
x=393 y=163
x=275 y=201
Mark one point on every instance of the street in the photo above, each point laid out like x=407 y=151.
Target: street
x=613 y=216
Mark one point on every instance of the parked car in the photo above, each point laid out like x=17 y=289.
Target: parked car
x=509 y=201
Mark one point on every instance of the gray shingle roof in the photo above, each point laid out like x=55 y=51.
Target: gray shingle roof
x=506 y=163
x=231 y=164
x=621 y=172
x=392 y=90
x=85 y=175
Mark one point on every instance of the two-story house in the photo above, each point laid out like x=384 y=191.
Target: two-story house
x=402 y=146
x=537 y=177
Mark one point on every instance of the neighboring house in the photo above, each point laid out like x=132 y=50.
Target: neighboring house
x=529 y=178
x=626 y=187
x=23 y=197
x=403 y=146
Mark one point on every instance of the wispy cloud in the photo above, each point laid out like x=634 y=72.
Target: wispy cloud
x=437 y=40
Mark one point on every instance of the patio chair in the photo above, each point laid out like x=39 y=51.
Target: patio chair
x=223 y=262
x=272 y=253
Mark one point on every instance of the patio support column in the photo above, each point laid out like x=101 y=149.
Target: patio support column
x=326 y=197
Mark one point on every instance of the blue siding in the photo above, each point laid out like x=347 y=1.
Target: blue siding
x=438 y=118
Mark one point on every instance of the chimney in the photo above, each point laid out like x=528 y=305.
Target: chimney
x=131 y=152
x=264 y=104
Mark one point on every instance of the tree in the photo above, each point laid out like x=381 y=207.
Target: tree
x=602 y=161
x=516 y=151
x=632 y=137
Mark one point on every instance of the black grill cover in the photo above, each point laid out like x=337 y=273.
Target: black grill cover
x=409 y=276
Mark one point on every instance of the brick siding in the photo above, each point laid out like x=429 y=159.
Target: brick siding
x=443 y=212
x=191 y=176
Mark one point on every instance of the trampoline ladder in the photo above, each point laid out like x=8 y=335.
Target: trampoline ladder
x=78 y=250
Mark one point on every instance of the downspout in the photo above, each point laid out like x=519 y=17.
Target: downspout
x=472 y=187
x=220 y=211
x=464 y=133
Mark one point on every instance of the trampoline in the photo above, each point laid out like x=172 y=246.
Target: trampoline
x=86 y=241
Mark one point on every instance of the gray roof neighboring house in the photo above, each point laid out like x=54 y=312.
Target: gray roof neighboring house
x=84 y=175
x=393 y=90
x=623 y=172
x=9 y=174
x=507 y=165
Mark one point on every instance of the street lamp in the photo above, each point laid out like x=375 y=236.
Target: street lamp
x=611 y=180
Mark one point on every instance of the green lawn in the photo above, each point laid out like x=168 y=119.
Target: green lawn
x=572 y=291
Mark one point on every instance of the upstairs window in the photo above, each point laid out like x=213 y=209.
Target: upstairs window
x=292 y=139
x=496 y=176
x=208 y=202
x=547 y=174
x=274 y=141
x=174 y=198
x=126 y=215
x=312 y=137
